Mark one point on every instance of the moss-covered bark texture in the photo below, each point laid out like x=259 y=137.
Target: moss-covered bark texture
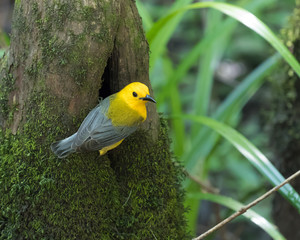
x=62 y=52
x=285 y=132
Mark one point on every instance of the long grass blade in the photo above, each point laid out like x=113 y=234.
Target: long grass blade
x=191 y=58
x=243 y=16
x=147 y=19
x=207 y=65
x=176 y=108
x=250 y=152
x=236 y=206
x=247 y=88
x=231 y=105
x=158 y=44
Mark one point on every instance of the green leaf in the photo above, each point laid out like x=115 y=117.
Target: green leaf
x=188 y=61
x=207 y=66
x=236 y=206
x=2 y=51
x=177 y=124
x=157 y=46
x=246 y=89
x=243 y=16
x=147 y=20
x=253 y=154
x=228 y=109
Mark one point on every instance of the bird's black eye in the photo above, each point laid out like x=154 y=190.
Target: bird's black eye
x=134 y=94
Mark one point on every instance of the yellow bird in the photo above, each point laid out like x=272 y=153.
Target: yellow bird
x=112 y=120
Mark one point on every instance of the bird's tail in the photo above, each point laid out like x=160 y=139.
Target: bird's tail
x=63 y=147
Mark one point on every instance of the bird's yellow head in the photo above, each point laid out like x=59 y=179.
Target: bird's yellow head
x=129 y=105
x=136 y=93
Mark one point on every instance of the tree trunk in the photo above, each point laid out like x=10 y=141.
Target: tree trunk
x=285 y=130
x=62 y=55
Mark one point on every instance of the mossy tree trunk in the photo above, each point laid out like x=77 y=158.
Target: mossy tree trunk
x=62 y=53
x=285 y=130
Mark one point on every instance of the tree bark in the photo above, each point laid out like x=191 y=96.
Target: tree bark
x=285 y=129
x=62 y=55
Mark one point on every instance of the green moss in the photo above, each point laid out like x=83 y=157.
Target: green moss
x=46 y=198
x=286 y=99
x=150 y=188
x=51 y=23
x=7 y=86
x=88 y=13
x=284 y=126
x=34 y=69
x=131 y=193
x=51 y=26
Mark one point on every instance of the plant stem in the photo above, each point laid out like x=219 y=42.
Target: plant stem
x=244 y=209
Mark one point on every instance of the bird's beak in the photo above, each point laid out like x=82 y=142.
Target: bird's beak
x=148 y=98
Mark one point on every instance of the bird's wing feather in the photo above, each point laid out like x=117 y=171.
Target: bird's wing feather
x=87 y=126
x=97 y=131
x=107 y=136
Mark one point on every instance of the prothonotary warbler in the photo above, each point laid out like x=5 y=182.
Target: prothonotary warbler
x=112 y=120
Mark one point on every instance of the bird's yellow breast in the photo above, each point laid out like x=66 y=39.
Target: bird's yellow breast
x=125 y=111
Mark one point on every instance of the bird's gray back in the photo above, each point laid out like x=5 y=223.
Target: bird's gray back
x=97 y=131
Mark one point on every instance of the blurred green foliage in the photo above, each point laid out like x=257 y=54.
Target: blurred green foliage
x=207 y=64
x=4 y=42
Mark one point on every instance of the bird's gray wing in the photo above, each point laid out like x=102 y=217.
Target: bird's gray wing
x=106 y=136
x=94 y=118
x=97 y=131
